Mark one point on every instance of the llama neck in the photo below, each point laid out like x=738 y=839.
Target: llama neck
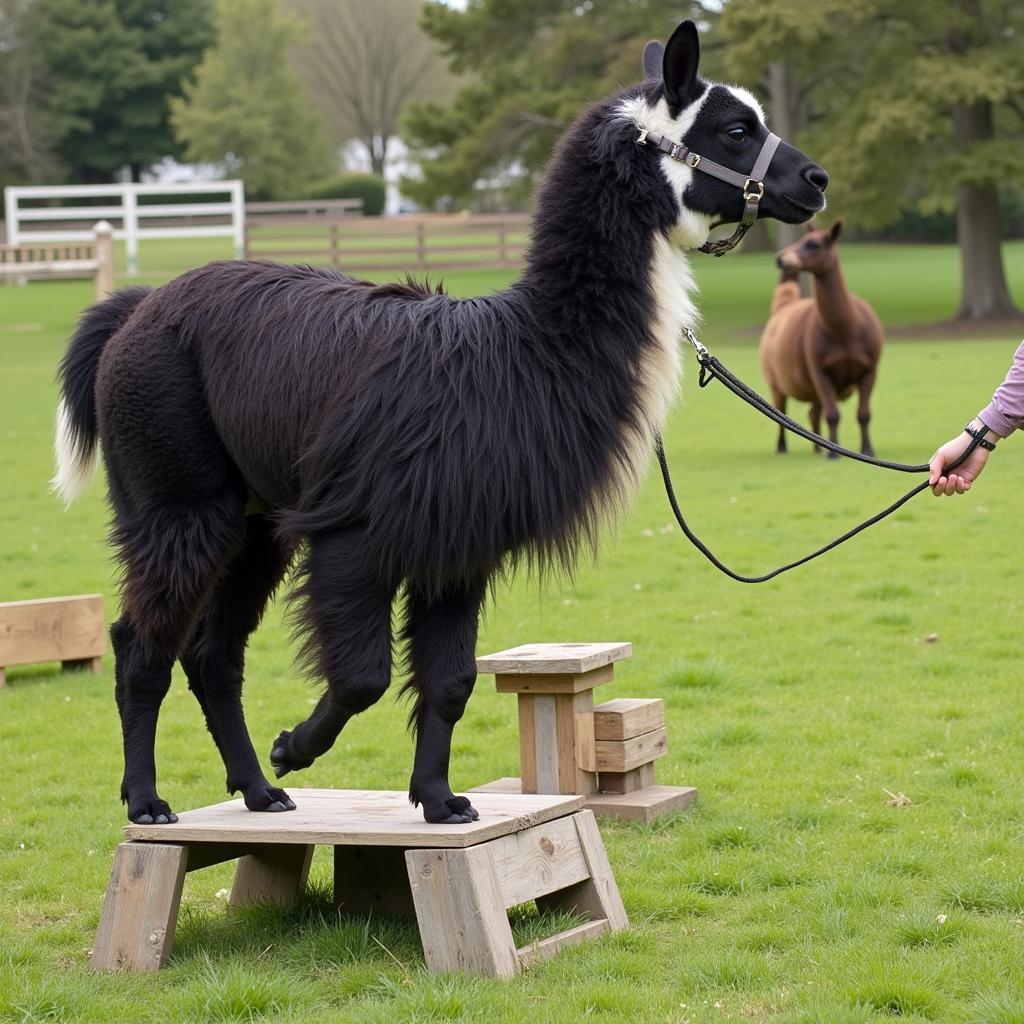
x=835 y=306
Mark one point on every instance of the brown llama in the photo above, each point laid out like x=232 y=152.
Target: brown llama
x=819 y=350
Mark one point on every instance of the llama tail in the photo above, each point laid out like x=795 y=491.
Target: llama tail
x=75 y=444
x=786 y=291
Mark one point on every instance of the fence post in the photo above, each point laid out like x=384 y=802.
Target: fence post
x=11 y=214
x=502 y=244
x=421 y=245
x=335 y=255
x=131 y=229
x=104 y=259
x=238 y=218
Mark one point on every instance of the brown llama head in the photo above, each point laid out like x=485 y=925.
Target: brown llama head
x=815 y=252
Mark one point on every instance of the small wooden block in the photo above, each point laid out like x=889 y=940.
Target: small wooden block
x=554 y=683
x=274 y=874
x=553 y=659
x=644 y=805
x=136 y=930
x=65 y=629
x=623 y=755
x=626 y=717
x=627 y=782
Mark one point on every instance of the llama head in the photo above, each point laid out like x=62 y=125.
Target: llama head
x=724 y=124
x=815 y=252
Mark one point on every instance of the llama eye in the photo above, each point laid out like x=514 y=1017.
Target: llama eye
x=737 y=134
x=812 y=245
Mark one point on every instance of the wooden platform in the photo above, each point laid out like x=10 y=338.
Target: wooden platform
x=644 y=804
x=457 y=879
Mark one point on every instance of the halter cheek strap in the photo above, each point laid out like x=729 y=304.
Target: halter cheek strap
x=752 y=184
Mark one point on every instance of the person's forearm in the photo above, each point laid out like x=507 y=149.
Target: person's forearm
x=1005 y=413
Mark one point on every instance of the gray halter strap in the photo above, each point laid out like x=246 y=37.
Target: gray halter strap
x=752 y=184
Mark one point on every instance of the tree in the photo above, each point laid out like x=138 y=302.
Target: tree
x=107 y=69
x=920 y=107
x=246 y=109
x=533 y=65
x=363 y=61
x=25 y=150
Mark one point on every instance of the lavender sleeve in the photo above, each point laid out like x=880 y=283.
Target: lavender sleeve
x=1005 y=413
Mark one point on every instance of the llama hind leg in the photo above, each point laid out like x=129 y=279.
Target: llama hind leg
x=346 y=613
x=816 y=424
x=215 y=654
x=779 y=401
x=173 y=555
x=442 y=635
x=864 y=389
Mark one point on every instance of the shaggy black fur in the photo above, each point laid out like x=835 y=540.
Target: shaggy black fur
x=399 y=438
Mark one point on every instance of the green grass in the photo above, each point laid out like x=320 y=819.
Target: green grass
x=793 y=893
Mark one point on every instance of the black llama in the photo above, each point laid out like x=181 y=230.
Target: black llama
x=394 y=438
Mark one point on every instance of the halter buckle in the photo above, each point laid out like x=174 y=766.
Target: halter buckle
x=693 y=160
x=641 y=139
x=748 y=194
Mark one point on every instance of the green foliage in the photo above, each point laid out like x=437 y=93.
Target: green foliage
x=353 y=185
x=105 y=72
x=246 y=109
x=885 y=79
x=532 y=66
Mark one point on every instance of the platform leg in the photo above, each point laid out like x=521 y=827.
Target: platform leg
x=140 y=911
x=94 y=665
x=598 y=896
x=276 y=874
x=461 y=912
x=371 y=880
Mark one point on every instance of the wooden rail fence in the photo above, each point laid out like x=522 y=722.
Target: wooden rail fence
x=391 y=244
x=48 y=260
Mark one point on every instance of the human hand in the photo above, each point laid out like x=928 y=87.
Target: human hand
x=960 y=480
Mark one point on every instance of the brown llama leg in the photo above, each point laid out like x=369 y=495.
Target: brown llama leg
x=779 y=401
x=864 y=388
x=816 y=424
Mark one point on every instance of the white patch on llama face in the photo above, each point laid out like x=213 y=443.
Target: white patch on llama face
x=692 y=228
x=744 y=96
x=75 y=465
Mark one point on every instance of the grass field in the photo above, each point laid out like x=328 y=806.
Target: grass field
x=795 y=892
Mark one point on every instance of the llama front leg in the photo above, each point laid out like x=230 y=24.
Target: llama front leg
x=779 y=401
x=442 y=637
x=816 y=424
x=864 y=389
x=346 y=614
x=826 y=393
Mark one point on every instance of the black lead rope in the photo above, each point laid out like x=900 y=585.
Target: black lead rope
x=712 y=369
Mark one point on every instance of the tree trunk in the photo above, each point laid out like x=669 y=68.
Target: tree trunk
x=984 y=293
x=788 y=117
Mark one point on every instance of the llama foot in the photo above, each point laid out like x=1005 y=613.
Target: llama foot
x=450 y=810
x=833 y=455
x=151 y=811
x=283 y=759
x=264 y=797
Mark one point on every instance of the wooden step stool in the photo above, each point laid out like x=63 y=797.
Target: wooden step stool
x=459 y=880
x=567 y=745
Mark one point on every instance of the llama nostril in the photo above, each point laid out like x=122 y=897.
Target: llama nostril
x=817 y=176
x=779 y=263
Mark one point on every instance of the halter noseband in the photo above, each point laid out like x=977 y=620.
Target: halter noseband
x=752 y=184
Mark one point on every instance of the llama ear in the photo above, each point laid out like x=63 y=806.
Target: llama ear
x=679 y=67
x=835 y=232
x=654 y=57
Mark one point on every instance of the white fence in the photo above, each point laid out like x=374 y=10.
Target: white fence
x=49 y=223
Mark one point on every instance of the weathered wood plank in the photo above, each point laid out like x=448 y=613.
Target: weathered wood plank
x=547 y=948
x=553 y=659
x=554 y=683
x=622 y=755
x=460 y=912
x=140 y=911
x=538 y=861
x=358 y=818
x=626 y=717
x=274 y=874
x=52 y=629
x=527 y=744
x=643 y=805
x=627 y=782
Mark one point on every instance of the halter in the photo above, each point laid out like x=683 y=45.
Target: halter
x=751 y=184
